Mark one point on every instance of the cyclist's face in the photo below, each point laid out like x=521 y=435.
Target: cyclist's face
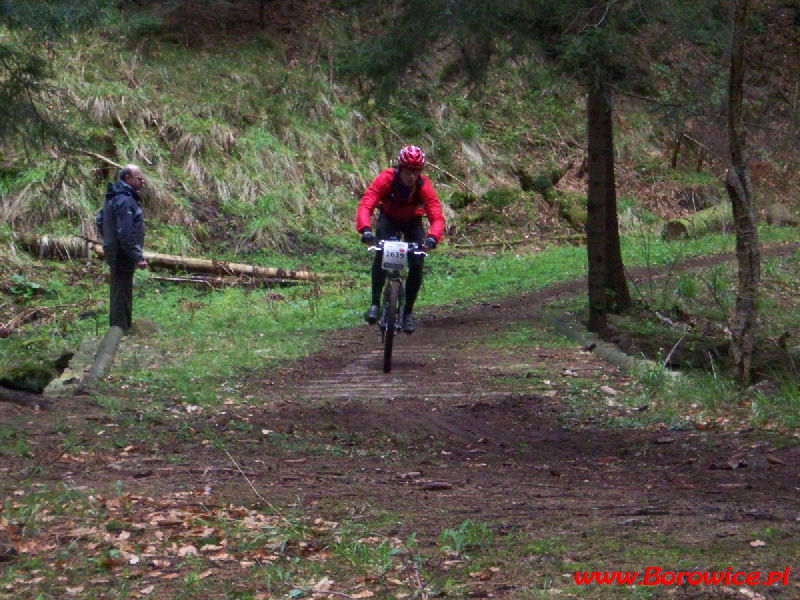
x=409 y=176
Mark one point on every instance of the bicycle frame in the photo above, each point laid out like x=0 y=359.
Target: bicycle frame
x=395 y=262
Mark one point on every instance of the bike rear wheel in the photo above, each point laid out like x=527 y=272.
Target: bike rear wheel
x=392 y=300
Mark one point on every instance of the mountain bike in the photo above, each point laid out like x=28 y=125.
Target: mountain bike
x=393 y=298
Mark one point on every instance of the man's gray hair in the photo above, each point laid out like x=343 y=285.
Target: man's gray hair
x=126 y=170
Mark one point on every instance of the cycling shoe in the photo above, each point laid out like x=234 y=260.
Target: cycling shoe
x=372 y=314
x=409 y=323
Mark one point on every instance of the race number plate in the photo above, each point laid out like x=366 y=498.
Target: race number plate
x=394 y=255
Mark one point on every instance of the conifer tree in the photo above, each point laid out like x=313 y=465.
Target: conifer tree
x=590 y=39
x=26 y=75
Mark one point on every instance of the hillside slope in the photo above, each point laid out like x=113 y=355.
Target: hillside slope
x=251 y=139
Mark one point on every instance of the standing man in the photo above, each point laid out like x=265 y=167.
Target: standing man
x=403 y=195
x=121 y=222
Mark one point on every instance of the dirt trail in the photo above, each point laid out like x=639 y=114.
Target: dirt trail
x=504 y=445
x=464 y=429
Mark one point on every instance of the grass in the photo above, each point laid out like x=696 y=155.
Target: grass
x=273 y=142
x=293 y=552
x=777 y=409
x=250 y=135
x=280 y=152
x=545 y=567
x=265 y=165
x=133 y=543
x=467 y=537
x=205 y=343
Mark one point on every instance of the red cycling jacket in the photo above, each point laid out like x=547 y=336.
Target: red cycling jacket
x=385 y=193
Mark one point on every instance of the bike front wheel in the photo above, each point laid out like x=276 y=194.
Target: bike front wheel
x=392 y=311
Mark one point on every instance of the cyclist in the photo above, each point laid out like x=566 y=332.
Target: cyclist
x=402 y=195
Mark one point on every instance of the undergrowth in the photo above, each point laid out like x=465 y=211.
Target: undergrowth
x=205 y=343
x=257 y=149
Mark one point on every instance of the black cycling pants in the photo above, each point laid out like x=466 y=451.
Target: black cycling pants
x=413 y=231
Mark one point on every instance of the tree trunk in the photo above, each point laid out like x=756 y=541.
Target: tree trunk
x=598 y=147
x=619 y=297
x=740 y=190
x=608 y=288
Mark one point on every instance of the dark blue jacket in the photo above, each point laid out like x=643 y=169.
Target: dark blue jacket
x=122 y=223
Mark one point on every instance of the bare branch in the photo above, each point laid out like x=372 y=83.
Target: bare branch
x=258 y=494
x=108 y=161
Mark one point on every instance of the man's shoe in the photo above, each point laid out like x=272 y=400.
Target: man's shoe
x=409 y=323
x=372 y=314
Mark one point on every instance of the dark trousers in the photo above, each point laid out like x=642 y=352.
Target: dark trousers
x=412 y=231
x=121 y=313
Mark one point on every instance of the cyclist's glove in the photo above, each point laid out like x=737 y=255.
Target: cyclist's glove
x=367 y=237
x=430 y=242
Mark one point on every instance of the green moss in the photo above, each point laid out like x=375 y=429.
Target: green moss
x=32 y=376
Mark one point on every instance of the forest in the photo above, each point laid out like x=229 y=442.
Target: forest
x=604 y=378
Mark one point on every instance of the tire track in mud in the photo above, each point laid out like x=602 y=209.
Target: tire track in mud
x=363 y=378
x=445 y=360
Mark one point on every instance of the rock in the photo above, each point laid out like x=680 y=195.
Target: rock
x=434 y=486
x=780 y=214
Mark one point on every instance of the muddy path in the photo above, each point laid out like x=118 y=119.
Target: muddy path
x=464 y=428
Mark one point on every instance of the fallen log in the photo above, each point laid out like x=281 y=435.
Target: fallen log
x=68 y=248
x=204 y=265
x=102 y=359
x=717 y=218
x=201 y=281
x=24 y=398
x=51 y=246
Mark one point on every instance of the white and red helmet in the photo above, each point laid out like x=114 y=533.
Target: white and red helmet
x=411 y=157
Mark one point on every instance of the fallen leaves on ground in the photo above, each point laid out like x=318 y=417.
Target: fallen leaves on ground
x=162 y=540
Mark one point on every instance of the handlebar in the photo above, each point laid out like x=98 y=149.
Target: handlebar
x=413 y=248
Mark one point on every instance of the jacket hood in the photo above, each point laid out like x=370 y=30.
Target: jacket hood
x=120 y=187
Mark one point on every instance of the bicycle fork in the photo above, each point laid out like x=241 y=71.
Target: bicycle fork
x=393 y=305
